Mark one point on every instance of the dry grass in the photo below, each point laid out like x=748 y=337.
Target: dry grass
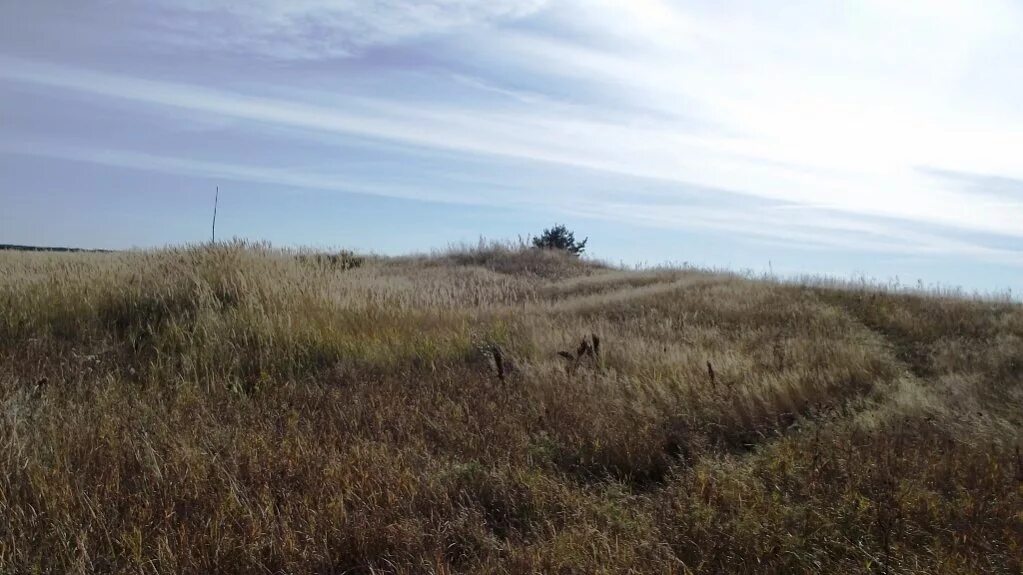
x=240 y=409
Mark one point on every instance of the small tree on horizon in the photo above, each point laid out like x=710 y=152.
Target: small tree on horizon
x=560 y=238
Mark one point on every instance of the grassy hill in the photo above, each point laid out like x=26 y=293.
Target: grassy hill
x=240 y=409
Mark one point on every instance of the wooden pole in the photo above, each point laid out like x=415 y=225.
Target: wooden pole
x=216 y=201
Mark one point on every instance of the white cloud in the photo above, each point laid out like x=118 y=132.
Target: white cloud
x=861 y=86
x=811 y=228
x=554 y=135
x=312 y=29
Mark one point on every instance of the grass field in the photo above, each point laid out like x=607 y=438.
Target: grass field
x=242 y=409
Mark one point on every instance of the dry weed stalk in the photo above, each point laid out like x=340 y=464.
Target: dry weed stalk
x=588 y=348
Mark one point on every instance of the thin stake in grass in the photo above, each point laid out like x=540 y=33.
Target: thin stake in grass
x=216 y=201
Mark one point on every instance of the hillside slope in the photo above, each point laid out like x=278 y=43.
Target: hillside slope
x=239 y=409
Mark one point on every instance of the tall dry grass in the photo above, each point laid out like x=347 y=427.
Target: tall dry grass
x=239 y=408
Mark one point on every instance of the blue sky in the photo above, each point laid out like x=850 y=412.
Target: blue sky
x=816 y=137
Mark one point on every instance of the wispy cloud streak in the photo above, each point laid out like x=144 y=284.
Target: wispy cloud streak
x=814 y=229
x=643 y=151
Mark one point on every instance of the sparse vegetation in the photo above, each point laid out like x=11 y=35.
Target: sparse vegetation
x=238 y=409
x=342 y=260
x=560 y=238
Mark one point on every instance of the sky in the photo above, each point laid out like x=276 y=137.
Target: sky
x=853 y=138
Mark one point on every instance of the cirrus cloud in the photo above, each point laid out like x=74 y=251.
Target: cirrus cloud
x=316 y=29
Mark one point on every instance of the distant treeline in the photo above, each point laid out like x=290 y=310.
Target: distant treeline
x=46 y=249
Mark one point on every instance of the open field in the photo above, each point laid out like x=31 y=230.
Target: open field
x=239 y=409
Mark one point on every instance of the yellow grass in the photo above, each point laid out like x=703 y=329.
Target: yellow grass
x=243 y=409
